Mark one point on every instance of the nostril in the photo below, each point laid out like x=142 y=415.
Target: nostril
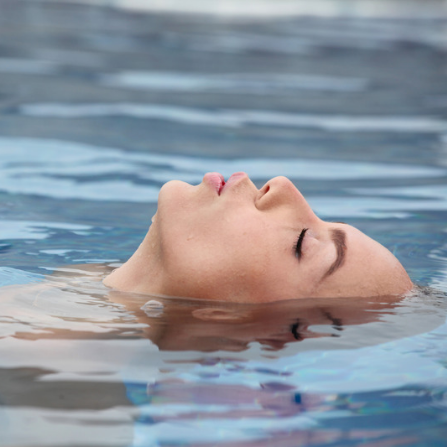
x=264 y=190
x=261 y=194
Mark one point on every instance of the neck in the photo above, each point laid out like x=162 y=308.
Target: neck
x=141 y=273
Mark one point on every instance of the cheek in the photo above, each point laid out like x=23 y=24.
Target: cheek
x=222 y=244
x=220 y=257
x=249 y=261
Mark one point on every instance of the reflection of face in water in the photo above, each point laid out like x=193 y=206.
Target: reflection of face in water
x=233 y=242
x=183 y=324
x=208 y=325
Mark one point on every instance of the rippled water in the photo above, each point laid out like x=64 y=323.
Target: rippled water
x=99 y=107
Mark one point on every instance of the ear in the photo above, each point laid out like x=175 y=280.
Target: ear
x=218 y=314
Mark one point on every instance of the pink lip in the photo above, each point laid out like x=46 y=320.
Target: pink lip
x=233 y=179
x=217 y=181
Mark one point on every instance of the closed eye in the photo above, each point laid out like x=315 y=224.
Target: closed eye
x=299 y=243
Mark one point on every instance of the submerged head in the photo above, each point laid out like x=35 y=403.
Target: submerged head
x=232 y=242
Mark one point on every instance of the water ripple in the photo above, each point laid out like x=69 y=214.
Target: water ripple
x=67 y=170
x=28 y=66
x=263 y=84
x=239 y=118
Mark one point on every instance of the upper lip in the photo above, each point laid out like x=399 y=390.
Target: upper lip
x=217 y=180
x=232 y=179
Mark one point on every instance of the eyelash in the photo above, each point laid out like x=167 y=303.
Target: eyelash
x=299 y=243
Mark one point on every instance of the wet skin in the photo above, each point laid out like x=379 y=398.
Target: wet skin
x=233 y=242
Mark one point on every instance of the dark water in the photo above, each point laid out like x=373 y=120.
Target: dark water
x=98 y=108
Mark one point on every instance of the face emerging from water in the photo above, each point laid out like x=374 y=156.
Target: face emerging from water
x=230 y=241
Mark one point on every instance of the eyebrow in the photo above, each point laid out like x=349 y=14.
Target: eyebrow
x=339 y=239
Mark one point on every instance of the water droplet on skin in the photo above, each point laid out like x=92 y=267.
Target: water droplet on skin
x=152 y=308
x=153 y=304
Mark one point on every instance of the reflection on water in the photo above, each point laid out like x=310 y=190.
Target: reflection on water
x=277 y=368
x=73 y=303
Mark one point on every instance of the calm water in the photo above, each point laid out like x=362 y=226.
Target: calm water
x=99 y=108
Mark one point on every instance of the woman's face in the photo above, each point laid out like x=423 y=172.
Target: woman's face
x=231 y=241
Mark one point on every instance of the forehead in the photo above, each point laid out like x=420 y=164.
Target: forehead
x=369 y=269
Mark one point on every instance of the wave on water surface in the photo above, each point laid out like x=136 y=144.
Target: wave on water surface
x=84 y=172
x=240 y=117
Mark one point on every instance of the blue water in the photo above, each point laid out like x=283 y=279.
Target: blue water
x=98 y=108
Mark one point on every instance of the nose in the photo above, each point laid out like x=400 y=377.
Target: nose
x=280 y=192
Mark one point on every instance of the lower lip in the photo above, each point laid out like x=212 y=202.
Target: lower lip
x=215 y=180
